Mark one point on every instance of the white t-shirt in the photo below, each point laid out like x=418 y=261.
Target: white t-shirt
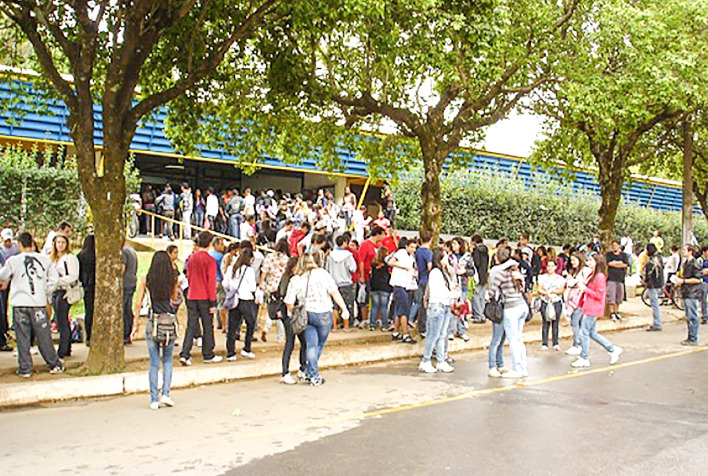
x=249 y=205
x=400 y=277
x=247 y=231
x=319 y=288
x=283 y=233
x=552 y=283
x=212 y=206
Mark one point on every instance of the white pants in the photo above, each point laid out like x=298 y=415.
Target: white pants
x=187 y=220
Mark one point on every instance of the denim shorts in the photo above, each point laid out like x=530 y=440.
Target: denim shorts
x=403 y=301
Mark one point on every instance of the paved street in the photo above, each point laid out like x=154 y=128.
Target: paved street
x=648 y=415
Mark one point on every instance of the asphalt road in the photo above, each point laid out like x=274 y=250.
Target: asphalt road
x=648 y=415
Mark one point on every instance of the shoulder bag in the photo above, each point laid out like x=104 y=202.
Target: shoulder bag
x=298 y=320
x=74 y=291
x=231 y=299
x=494 y=308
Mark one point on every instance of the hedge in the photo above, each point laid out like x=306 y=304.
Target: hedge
x=494 y=204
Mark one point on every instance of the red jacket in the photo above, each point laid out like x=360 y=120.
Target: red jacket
x=593 y=299
x=201 y=276
x=296 y=237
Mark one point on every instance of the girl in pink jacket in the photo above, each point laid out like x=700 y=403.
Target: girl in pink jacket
x=592 y=302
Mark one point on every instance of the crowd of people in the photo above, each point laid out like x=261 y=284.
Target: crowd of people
x=320 y=275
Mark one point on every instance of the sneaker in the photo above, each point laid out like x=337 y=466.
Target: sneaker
x=465 y=337
x=524 y=373
x=691 y=343
x=372 y=328
x=408 y=339
x=445 y=367
x=450 y=360
x=214 y=360
x=303 y=376
x=390 y=328
x=615 y=354
x=494 y=373
x=396 y=336
x=575 y=350
x=544 y=347
x=362 y=324
x=198 y=342
x=288 y=379
x=513 y=374
x=580 y=363
x=653 y=329
x=185 y=362
x=249 y=355
x=317 y=381
x=427 y=367
x=25 y=374
x=502 y=370
x=231 y=358
x=59 y=369
x=167 y=401
x=557 y=348
x=450 y=337
x=154 y=405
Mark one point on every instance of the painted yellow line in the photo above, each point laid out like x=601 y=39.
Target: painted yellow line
x=475 y=393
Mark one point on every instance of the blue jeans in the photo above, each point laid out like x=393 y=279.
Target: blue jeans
x=692 y=318
x=514 y=320
x=417 y=304
x=654 y=295
x=588 y=330
x=435 y=335
x=704 y=302
x=235 y=221
x=575 y=320
x=379 y=303
x=496 y=346
x=154 y=351
x=318 y=326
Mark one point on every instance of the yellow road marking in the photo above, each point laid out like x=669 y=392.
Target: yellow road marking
x=474 y=394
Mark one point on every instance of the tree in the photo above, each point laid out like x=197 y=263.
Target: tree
x=111 y=50
x=634 y=67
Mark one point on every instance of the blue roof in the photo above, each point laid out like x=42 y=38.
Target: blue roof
x=50 y=123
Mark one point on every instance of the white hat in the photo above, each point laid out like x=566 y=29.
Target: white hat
x=6 y=234
x=270 y=193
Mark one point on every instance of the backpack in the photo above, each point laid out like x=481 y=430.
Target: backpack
x=77 y=334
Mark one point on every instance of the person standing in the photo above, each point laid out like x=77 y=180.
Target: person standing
x=360 y=222
x=63 y=228
x=162 y=286
x=129 y=260
x=653 y=280
x=272 y=270
x=199 y=208
x=211 y=209
x=380 y=290
x=314 y=288
x=657 y=241
x=403 y=280
x=240 y=279
x=32 y=278
x=367 y=253
x=67 y=267
x=627 y=246
x=551 y=287
x=165 y=204
x=187 y=205
x=249 y=204
x=617 y=265
x=234 y=210
x=281 y=312
x=8 y=249
x=340 y=265
x=87 y=276
x=578 y=275
x=201 y=302
x=704 y=286
x=424 y=263
x=592 y=302
x=348 y=206
x=217 y=252
x=480 y=258
x=690 y=282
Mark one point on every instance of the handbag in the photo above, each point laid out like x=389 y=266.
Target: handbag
x=298 y=320
x=74 y=291
x=164 y=328
x=231 y=299
x=494 y=308
x=550 y=312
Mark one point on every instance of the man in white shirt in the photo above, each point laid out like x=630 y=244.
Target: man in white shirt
x=63 y=228
x=212 y=207
x=249 y=204
x=247 y=231
x=285 y=232
x=403 y=280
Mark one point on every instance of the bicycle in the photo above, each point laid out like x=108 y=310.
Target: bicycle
x=671 y=297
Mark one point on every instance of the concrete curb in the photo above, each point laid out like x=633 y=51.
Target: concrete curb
x=67 y=388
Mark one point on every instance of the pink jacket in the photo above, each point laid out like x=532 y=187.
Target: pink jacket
x=593 y=300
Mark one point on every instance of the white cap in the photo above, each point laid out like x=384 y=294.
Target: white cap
x=6 y=234
x=270 y=193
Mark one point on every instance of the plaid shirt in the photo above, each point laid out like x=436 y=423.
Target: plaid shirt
x=272 y=270
x=317 y=296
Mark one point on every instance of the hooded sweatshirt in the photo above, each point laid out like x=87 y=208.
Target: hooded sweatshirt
x=341 y=264
x=501 y=279
x=32 y=278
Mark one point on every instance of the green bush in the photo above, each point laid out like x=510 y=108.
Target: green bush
x=494 y=204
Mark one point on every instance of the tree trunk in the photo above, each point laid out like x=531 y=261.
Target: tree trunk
x=687 y=206
x=431 y=192
x=106 y=354
x=611 y=179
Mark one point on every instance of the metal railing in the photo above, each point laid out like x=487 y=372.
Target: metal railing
x=182 y=225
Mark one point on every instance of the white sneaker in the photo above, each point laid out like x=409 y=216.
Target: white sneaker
x=198 y=342
x=544 y=347
x=231 y=358
x=465 y=337
x=214 y=360
x=250 y=355
x=557 y=348
x=288 y=379
x=575 y=350
x=502 y=370
x=494 y=373
x=445 y=367
x=185 y=362
x=427 y=367
x=615 y=354
x=154 y=405
x=513 y=374
x=524 y=373
x=167 y=401
x=302 y=375
x=580 y=363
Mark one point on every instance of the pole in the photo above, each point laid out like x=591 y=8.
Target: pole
x=687 y=208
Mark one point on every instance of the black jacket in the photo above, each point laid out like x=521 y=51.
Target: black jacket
x=480 y=258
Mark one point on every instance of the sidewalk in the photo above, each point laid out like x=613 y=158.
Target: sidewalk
x=358 y=347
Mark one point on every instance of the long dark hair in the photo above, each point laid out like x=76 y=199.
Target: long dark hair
x=580 y=256
x=161 y=278
x=600 y=265
x=244 y=259
x=438 y=255
x=88 y=250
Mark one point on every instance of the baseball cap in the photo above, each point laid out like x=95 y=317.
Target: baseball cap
x=6 y=234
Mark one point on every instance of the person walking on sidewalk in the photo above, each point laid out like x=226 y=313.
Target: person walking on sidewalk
x=443 y=291
x=162 y=287
x=617 y=265
x=67 y=267
x=201 y=302
x=578 y=275
x=653 y=280
x=690 y=282
x=240 y=280
x=129 y=260
x=280 y=311
x=315 y=289
x=592 y=302
x=32 y=279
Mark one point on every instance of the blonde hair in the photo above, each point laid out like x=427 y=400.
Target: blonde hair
x=55 y=253
x=309 y=261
